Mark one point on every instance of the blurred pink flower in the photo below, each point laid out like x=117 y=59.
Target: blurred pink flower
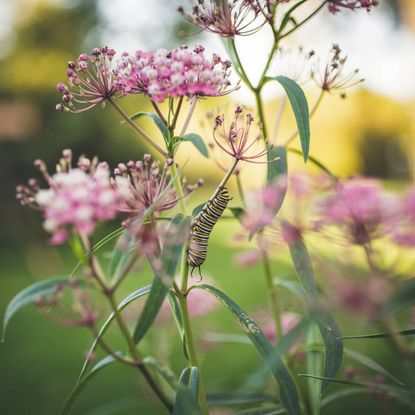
x=78 y=197
x=91 y=81
x=181 y=72
x=248 y=258
x=288 y=322
x=263 y=205
x=402 y=220
x=228 y=18
x=199 y=302
x=358 y=206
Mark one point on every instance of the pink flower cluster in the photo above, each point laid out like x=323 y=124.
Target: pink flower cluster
x=78 y=197
x=181 y=72
x=336 y=5
x=90 y=80
x=228 y=18
x=358 y=206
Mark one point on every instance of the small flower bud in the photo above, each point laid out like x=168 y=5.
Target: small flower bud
x=60 y=107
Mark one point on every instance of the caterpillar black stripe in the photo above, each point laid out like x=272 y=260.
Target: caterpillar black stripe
x=202 y=227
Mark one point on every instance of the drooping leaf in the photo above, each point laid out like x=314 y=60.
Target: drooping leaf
x=371 y=364
x=407 y=332
x=129 y=299
x=157 y=121
x=405 y=396
x=277 y=165
x=79 y=387
x=187 y=396
x=238 y=398
x=328 y=328
x=170 y=257
x=177 y=315
x=196 y=140
x=31 y=294
x=272 y=410
x=166 y=373
x=198 y=209
x=299 y=105
x=288 y=391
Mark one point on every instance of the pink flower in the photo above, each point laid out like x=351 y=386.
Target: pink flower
x=336 y=5
x=78 y=197
x=145 y=184
x=402 y=220
x=181 y=72
x=263 y=205
x=358 y=207
x=331 y=76
x=238 y=140
x=91 y=81
x=288 y=322
x=228 y=18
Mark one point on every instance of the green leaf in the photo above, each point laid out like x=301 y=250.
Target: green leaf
x=314 y=367
x=277 y=165
x=79 y=387
x=196 y=140
x=237 y=212
x=238 y=398
x=371 y=364
x=121 y=253
x=403 y=395
x=170 y=257
x=187 y=397
x=292 y=286
x=299 y=105
x=288 y=391
x=31 y=294
x=273 y=410
x=177 y=314
x=198 y=209
x=407 y=332
x=133 y=296
x=157 y=120
x=166 y=373
x=328 y=328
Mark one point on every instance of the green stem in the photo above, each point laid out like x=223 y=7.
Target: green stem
x=99 y=276
x=137 y=129
x=177 y=184
x=189 y=116
x=273 y=294
x=261 y=113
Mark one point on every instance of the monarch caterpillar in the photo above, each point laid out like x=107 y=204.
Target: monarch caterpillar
x=203 y=225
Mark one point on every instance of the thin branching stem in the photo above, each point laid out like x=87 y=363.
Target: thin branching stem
x=137 y=129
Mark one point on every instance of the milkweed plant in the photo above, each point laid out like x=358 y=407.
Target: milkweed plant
x=155 y=220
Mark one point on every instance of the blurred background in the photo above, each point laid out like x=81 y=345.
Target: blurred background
x=370 y=133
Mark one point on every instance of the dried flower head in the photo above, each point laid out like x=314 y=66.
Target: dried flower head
x=295 y=64
x=238 y=140
x=90 y=81
x=144 y=184
x=228 y=18
x=77 y=197
x=336 y=5
x=331 y=77
x=181 y=72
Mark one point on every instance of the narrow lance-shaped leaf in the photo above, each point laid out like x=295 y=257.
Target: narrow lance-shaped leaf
x=157 y=120
x=406 y=332
x=187 y=396
x=405 y=396
x=299 y=105
x=79 y=387
x=121 y=253
x=328 y=328
x=31 y=294
x=196 y=140
x=132 y=297
x=288 y=391
x=314 y=367
x=170 y=257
